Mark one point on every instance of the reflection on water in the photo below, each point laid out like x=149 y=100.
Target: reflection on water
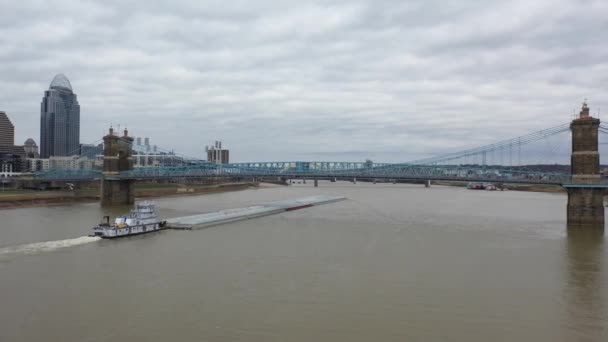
x=583 y=287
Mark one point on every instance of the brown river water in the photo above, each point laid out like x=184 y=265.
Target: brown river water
x=391 y=263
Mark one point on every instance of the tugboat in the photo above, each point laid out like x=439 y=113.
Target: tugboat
x=141 y=220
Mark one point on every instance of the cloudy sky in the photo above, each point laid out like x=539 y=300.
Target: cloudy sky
x=308 y=80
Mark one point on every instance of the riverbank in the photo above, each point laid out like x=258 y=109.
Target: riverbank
x=515 y=187
x=30 y=198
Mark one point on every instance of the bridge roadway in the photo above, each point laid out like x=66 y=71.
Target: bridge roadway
x=327 y=171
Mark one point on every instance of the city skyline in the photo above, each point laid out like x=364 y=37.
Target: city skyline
x=333 y=80
x=326 y=170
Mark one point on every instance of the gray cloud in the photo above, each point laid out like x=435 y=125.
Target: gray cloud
x=286 y=80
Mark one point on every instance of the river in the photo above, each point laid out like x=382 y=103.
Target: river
x=391 y=263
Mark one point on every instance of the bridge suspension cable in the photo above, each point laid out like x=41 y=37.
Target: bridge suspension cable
x=499 y=146
x=428 y=168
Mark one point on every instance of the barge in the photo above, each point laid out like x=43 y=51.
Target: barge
x=239 y=214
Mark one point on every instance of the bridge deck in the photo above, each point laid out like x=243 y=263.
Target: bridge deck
x=598 y=185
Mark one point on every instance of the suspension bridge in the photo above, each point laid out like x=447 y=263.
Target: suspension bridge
x=567 y=155
x=517 y=160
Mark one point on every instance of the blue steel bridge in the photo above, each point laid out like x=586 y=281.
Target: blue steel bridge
x=527 y=159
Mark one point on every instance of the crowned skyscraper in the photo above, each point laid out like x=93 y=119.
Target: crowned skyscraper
x=59 y=120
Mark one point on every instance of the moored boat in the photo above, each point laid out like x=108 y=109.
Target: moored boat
x=475 y=186
x=141 y=220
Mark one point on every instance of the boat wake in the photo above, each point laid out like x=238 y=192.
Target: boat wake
x=47 y=246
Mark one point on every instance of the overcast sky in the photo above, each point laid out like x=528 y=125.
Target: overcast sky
x=308 y=80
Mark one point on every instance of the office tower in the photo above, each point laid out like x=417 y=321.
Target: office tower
x=31 y=149
x=12 y=158
x=59 y=120
x=217 y=154
x=7 y=131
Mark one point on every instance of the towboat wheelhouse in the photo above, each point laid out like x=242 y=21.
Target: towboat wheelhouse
x=142 y=219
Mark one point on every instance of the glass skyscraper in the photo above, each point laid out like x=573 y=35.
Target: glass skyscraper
x=59 y=120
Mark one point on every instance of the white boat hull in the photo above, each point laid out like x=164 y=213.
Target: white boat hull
x=141 y=220
x=112 y=233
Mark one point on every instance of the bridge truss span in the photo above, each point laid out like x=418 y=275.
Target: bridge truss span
x=380 y=171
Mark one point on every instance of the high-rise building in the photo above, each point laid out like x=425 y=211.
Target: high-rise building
x=12 y=158
x=90 y=150
x=59 y=120
x=31 y=149
x=7 y=131
x=217 y=154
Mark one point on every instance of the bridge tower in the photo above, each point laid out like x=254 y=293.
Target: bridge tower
x=585 y=194
x=117 y=157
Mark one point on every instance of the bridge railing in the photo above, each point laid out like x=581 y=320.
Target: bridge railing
x=573 y=182
x=68 y=175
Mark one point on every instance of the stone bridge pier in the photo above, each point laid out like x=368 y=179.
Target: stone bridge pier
x=117 y=157
x=585 y=191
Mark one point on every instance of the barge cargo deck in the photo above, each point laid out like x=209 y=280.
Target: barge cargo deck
x=233 y=215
